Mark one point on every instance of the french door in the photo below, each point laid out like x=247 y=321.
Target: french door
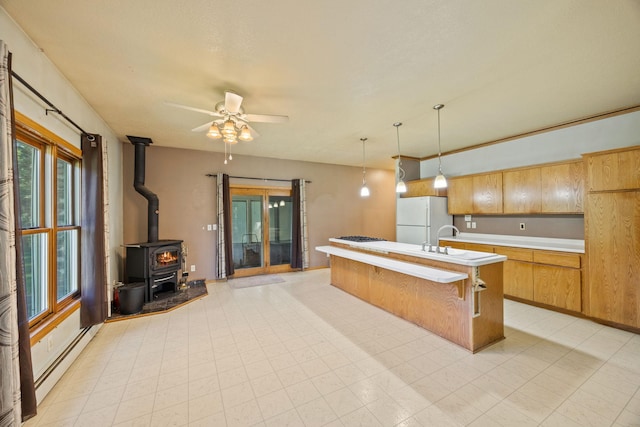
x=261 y=220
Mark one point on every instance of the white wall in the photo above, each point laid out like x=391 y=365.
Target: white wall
x=34 y=67
x=562 y=144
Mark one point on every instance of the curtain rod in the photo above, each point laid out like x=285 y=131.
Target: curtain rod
x=212 y=175
x=53 y=107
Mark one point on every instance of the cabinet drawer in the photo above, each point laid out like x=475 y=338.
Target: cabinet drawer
x=515 y=254
x=453 y=244
x=478 y=247
x=562 y=259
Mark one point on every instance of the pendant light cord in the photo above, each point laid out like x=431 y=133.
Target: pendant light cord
x=439 y=150
x=364 y=170
x=400 y=170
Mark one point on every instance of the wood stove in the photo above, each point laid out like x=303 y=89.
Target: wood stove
x=155 y=262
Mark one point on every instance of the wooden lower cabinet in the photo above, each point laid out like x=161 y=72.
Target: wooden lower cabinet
x=547 y=277
x=557 y=286
x=518 y=279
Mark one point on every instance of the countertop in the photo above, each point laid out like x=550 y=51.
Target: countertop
x=544 y=243
x=416 y=270
x=468 y=258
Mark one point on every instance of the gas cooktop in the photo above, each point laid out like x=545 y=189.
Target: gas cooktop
x=361 y=239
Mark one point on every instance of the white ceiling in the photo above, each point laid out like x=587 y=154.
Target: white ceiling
x=342 y=70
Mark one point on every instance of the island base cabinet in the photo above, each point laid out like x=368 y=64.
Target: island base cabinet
x=446 y=309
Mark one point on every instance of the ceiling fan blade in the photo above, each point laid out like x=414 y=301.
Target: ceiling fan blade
x=199 y=110
x=266 y=118
x=254 y=133
x=232 y=102
x=202 y=128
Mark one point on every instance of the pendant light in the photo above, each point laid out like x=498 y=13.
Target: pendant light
x=364 y=191
x=401 y=187
x=441 y=181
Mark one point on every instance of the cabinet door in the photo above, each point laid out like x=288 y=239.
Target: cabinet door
x=460 y=191
x=518 y=279
x=613 y=248
x=478 y=247
x=521 y=191
x=557 y=286
x=614 y=170
x=487 y=193
x=562 y=188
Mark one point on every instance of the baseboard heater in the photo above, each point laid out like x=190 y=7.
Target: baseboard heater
x=57 y=363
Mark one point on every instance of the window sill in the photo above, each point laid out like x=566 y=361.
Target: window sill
x=49 y=324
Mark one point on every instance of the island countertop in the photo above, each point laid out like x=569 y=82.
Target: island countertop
x=456 y=256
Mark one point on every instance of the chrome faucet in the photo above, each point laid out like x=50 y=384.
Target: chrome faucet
x=453 y=227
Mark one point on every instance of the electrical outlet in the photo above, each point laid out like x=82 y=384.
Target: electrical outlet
x=208 y=227
x=522 y=226
x=473 y=224
x=468 y=224
x=193 y=267
x=214 y=227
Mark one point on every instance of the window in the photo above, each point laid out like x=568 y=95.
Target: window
x=48 y=182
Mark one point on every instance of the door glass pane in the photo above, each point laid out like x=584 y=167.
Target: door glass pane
x=34 y=247
x=280 y=214
x=29 y=167
x=64 y=192
x=246 y=220
x=67 y=263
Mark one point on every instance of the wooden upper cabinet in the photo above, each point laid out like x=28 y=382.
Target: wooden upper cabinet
x=460 y=192
x=423 y=187
x=562 y=188
x=522 y=191
x=613 y=170
x=546 y=189
x=487 y=193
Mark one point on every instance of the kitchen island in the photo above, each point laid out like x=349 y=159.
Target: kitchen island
x=457 y=295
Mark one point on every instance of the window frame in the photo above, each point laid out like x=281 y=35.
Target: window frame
x=52 y=148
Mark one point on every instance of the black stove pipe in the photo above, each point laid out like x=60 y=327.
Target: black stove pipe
x=153 y=207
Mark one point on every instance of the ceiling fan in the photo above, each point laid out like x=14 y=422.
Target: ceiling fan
x=232 y=123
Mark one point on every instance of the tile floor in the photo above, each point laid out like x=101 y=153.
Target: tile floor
x=303 y=353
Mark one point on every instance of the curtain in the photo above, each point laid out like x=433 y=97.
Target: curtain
x=300 y=239
x=93 y=278
x=15 y=349
x=224 y=255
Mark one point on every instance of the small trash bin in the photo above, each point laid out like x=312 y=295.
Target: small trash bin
x=131 y=298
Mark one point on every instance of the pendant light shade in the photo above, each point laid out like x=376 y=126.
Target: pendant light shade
x=364 y=190
x=440 y=181
x=401 y=187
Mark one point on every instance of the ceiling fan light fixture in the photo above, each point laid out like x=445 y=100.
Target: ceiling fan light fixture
x=229 y=128
x=440 y=181
x=245 y=134
x=214 y=132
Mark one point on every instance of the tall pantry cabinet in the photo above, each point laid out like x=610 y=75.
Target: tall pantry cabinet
x=612 y=236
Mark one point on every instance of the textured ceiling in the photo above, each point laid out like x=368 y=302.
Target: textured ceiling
x=342 y=70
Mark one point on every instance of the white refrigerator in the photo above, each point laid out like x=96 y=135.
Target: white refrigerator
x=419 y=218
